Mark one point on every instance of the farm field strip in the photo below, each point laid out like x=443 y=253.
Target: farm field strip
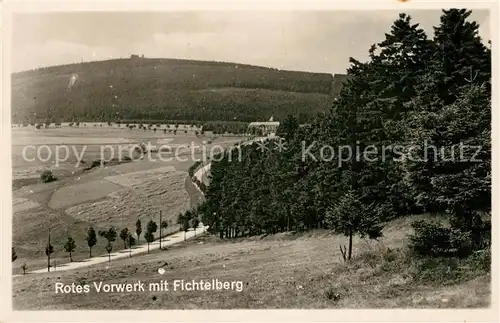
x=138 y=177
x=144 y=200
x=80 y=193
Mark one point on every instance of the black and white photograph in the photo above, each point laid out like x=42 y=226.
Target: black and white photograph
x=250 y=159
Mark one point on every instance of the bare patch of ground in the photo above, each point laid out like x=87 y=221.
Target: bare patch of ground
x=22 y=204
x=138 y=177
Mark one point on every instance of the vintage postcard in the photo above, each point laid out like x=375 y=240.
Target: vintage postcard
x=269 y=157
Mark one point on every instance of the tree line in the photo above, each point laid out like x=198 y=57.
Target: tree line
x=424 y=99
x=216 y=127
x=186 y=220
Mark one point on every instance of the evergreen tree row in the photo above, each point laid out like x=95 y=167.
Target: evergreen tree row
x=186 y=221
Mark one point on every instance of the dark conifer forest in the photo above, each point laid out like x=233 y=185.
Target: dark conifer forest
x=408 y=134
x=151 y=90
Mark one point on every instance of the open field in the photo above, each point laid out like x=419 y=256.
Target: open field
x=104 y=196
x=35 y=150
x=280 y=271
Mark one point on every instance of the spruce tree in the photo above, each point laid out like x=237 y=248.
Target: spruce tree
x=91 y=239
x=390 y=81
x=150 y=230
x=461 y=62
x=70 y=246
x=462 y=58
x=349 y=216
x=110 y=236
x=138 y=229
x=288 y=127
x=124 y=235
x=130 y=242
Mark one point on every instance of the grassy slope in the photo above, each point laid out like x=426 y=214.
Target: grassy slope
x=279 y=271
x=169 y=89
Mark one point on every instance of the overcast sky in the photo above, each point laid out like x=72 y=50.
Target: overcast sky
x=317 y=41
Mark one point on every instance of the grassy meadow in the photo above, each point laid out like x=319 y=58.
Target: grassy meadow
x=278 y=271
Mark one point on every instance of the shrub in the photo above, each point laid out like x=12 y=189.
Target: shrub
x=481 y=260
x=429 y=238
x=433 y=239
x=47 y=176
x=481 y=234
x=95 y=163
x=460 y=242
x=332 y=294
x=452 y=270
x=81 y=281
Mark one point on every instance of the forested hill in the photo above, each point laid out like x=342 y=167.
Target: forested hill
x=168 y=89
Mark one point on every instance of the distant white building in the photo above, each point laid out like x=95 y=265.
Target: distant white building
x=264 y=128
